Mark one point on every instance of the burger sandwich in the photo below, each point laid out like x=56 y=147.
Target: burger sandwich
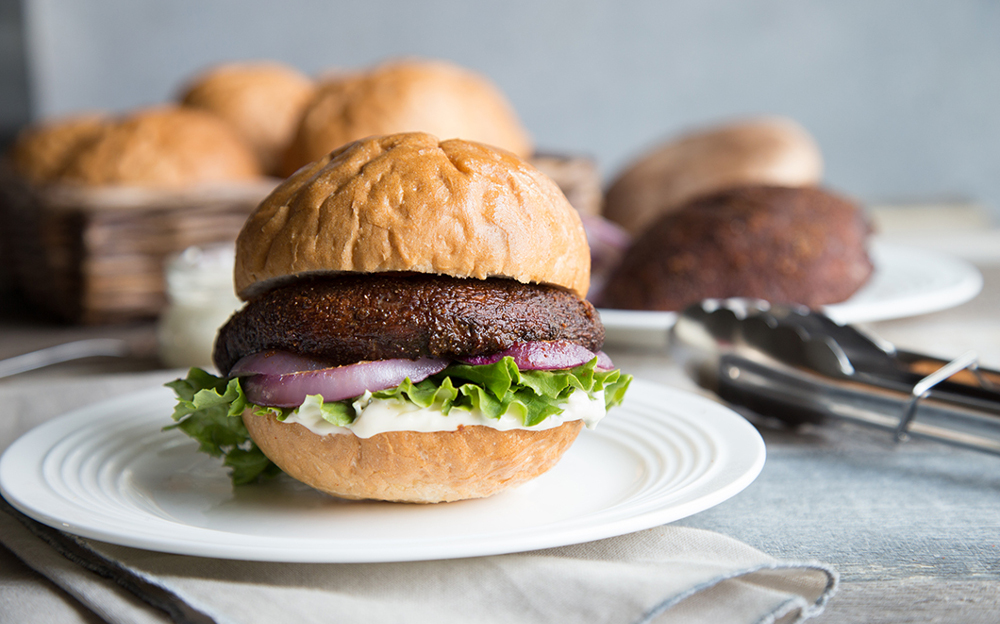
x=415 y=328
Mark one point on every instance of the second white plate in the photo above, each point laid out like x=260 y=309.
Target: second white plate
x=108 y=472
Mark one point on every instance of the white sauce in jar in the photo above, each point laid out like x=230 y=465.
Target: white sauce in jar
x=200 y=299
x=380 y=415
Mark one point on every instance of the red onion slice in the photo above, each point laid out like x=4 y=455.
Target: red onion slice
x=338 y=383
x=607 y=240
x=545 y=355
x=608 y=243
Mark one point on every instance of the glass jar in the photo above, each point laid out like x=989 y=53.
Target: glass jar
x=200 y=299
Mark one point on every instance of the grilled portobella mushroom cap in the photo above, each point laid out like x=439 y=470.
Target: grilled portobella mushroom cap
x=787 y=245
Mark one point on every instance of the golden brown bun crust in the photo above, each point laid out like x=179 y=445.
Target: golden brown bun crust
x=406 y=96
x=785 y=245
x=767 y=151
x=409 y=202
x=263 y=101
x=409 y=466
x=169 y=147
x=42 y=151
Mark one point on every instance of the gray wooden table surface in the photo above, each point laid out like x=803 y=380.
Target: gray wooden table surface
x=913 y=529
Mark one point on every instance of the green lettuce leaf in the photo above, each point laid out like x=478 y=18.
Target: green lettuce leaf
x=208 y=410
x=209 y=407
x=340 y=413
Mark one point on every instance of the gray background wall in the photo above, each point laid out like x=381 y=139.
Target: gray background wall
x=902 y=95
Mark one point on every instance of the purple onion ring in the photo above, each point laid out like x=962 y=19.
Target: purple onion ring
x=545 y=355
x=336 y=383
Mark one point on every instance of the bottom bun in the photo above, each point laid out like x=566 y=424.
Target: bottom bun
x=411 y=466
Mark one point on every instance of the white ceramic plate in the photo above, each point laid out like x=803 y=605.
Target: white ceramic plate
x=906 y=282
x=108 y=472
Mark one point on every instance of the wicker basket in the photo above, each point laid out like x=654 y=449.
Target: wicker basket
x=96 y=255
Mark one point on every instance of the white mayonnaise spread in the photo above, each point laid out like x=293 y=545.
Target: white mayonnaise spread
x=380 y=415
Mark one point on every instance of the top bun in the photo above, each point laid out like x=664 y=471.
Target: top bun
x=169 y=147
x=263 y=102
x=406 y=96
x=42 y=151
x=767 y=151
x=409 y=202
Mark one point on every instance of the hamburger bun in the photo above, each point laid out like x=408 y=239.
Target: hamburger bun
x=405 y=96
x=409 y=202
x=413 y=247
x=784 y=245
x=412 y=466
x=41 y=151
x=767 y=151
x=165 y=147
x=262 y=101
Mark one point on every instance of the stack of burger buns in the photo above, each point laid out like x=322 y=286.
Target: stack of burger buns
x=734 y=210
x=262 y=101
x=41 y=152
x=404 y=96
x=161 y=147
x=94 y=205
x=434 y=96
x=188 y=172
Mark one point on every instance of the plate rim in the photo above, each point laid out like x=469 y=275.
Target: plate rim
x=37 y=443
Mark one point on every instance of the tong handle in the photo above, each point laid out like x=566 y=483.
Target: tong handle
x=798 y=396
x=973 y=376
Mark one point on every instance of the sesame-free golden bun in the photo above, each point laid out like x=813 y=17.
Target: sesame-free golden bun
x=411 y=202
x=411 y=466
x=41 y=151
x=262 y=100
x=163 y=147
x=772 y=151
x=436 y=97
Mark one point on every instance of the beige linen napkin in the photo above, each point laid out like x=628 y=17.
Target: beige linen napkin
x=666 y=574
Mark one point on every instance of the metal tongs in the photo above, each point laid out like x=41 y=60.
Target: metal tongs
x=800 y=366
